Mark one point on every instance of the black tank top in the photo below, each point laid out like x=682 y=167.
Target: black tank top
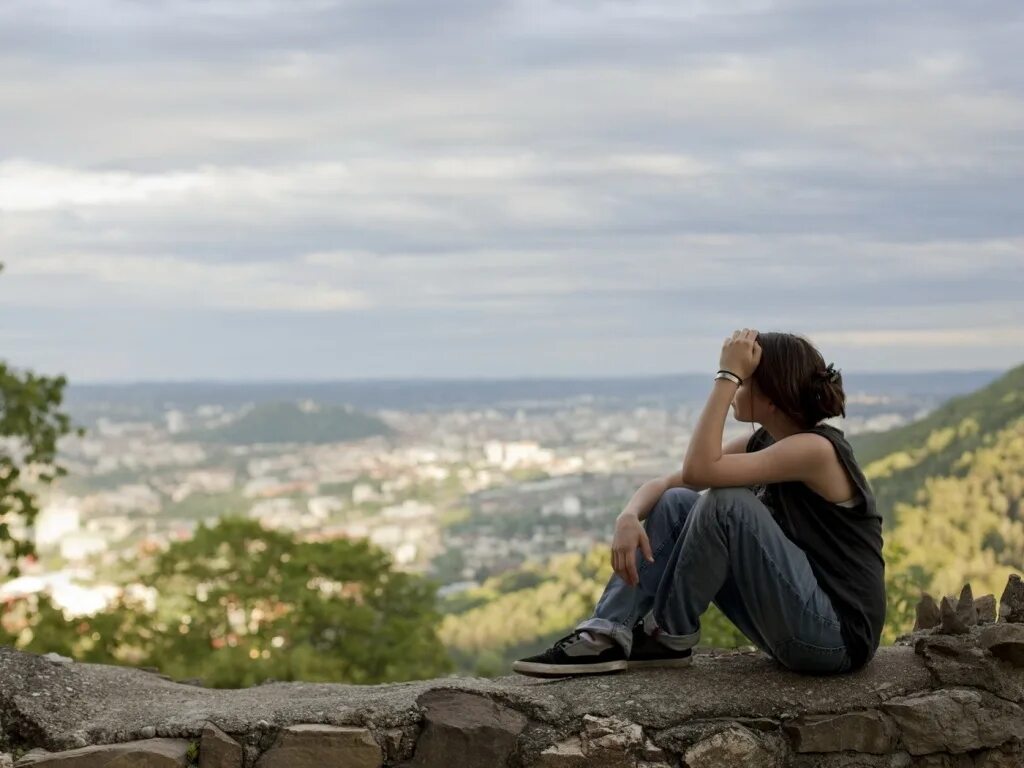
x=843 y=544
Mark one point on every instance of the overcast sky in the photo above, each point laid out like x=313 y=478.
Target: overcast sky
x=323 y=189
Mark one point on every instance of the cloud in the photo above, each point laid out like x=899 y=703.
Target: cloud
x=998 y=337
x=163 y=281
x=537 y=171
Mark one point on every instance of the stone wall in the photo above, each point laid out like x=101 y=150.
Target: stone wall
x=950 y=694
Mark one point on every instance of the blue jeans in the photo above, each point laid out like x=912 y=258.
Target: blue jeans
x=725 y=547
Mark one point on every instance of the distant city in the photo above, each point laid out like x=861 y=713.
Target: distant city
x=458 y=480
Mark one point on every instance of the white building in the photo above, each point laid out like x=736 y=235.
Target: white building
x=55 y=521
x=80 y=545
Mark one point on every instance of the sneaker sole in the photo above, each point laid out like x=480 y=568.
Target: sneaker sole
x=534 y=669
x=649 y=663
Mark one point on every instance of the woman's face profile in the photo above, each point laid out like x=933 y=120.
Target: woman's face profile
x=741 y=401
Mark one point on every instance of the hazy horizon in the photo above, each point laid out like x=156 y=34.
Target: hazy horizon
x=537 y=377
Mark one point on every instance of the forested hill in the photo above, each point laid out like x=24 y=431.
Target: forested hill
x=898 y=461
x=292 y=423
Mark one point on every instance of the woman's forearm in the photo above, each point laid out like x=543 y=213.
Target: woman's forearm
x=705 y=447
x=646 y=497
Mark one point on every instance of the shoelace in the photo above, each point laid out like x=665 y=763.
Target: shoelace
x=567 y=640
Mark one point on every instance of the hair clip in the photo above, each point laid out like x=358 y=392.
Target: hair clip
x=831 y=372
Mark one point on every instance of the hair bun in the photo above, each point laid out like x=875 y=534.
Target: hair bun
x=830 y=374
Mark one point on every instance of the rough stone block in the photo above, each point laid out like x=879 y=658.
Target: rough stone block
x=868 y=731
x=218 y=750
x=315 y=746
x=852 y=760
x=1004 y=641
x=147 y=753
x=954 y=721
x=610 y=734
x=998 y=758
x=986 y=608
x=564 y=754
x=733 y=747
x=467 y=730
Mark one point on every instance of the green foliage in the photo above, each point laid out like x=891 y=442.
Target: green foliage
x=31 y=420
x=239 y=604
x=951 y=488
x=289 y=423
x=899 y=461
x=968 y=526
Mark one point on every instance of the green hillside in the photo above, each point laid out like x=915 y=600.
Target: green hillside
x=898 y=461
x=290 y=423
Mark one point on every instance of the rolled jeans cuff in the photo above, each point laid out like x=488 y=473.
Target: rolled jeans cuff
x=675 y=642
x=615 y=631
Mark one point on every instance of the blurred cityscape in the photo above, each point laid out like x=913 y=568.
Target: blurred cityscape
x=456 y=490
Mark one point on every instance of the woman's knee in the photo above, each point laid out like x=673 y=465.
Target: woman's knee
x=733 y=495
x=811 y=659
x=669 y=513
x=675 y=503
x=734 y=501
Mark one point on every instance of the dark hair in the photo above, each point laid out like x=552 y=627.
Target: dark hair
x=793 y=375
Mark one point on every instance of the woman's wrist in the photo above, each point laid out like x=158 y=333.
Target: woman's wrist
x=725 y=373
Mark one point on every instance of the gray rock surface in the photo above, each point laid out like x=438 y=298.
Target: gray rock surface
x=985 y=607
x=149 y=753
x=45 y=702
x=931 y=699
x=481 y=731
x=867 y=731
x=315 y=746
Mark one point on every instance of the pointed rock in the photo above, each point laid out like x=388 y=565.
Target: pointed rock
x=1011 y=603
x=965 y=610
x=986 y=608
x=951 y=622
x=927 y=613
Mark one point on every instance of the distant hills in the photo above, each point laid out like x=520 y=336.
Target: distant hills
x=897 y=462
x=151 y=399
x=292 y=423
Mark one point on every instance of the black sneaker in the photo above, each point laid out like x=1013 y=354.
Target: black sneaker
x=572 y=655
x=647 y=652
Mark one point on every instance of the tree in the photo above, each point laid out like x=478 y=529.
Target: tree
x=31 y=423
x=239 y=604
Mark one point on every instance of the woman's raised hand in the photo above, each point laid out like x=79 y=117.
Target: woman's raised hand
x=629 y=536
